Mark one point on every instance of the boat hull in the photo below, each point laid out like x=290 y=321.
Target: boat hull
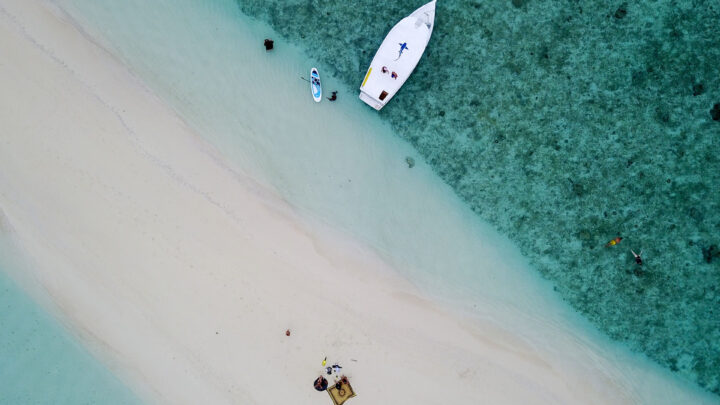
x=397 y=56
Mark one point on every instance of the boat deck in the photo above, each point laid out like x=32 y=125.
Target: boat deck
x=389 y=69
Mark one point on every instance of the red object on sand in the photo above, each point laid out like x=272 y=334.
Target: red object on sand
x=287 y=332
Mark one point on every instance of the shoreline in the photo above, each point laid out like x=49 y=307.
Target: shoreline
x=165 y=261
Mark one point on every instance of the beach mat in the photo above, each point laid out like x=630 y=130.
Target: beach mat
x=339 y=396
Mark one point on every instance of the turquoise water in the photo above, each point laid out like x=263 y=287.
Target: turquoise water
x=41 y=363
x=566 y=124
x=558 y=125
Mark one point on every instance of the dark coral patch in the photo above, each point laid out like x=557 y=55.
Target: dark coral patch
x=698 y=89
x=621 y=12
x=715 y=112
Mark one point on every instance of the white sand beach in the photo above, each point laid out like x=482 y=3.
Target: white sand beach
x=182 y=273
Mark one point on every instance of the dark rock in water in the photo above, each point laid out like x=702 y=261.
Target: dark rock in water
x=639 y=77
x=621 y=11
x=578 y=189
x=518 y=3
x=410 y=162
x=698 y=89
x=662 y=114
x=709 y=252
x=715 y=112
x=269 y=44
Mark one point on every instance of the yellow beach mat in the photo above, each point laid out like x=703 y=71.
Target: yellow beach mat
x=339 y=396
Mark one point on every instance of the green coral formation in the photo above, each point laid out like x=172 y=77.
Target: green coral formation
x=566 y=124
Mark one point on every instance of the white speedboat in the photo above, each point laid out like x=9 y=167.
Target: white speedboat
x=397 y=56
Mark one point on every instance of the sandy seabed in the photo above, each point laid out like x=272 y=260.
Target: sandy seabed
x=183 y=274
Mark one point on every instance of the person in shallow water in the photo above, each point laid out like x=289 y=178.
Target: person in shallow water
x=333 y=97
x=269 y=44
x=638 y=259
x=320 y=384
x=613 y=242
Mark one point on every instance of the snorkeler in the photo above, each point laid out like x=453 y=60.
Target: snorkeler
x=613 y=242
x=638 y=259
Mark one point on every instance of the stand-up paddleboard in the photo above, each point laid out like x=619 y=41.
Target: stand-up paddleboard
x=315 y=86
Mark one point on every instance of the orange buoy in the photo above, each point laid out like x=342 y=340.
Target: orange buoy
x=613 y=242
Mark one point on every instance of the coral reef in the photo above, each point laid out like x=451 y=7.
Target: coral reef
x=566 y=124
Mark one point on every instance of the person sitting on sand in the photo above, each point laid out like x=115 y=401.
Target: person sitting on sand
x=384 y=69
x=321 y=384
x=394 y=75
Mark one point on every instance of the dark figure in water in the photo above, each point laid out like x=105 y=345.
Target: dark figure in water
x=269 y=43
x=333 y=97
x=638 y=259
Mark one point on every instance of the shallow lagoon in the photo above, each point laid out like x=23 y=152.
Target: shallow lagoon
x=41 y=362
